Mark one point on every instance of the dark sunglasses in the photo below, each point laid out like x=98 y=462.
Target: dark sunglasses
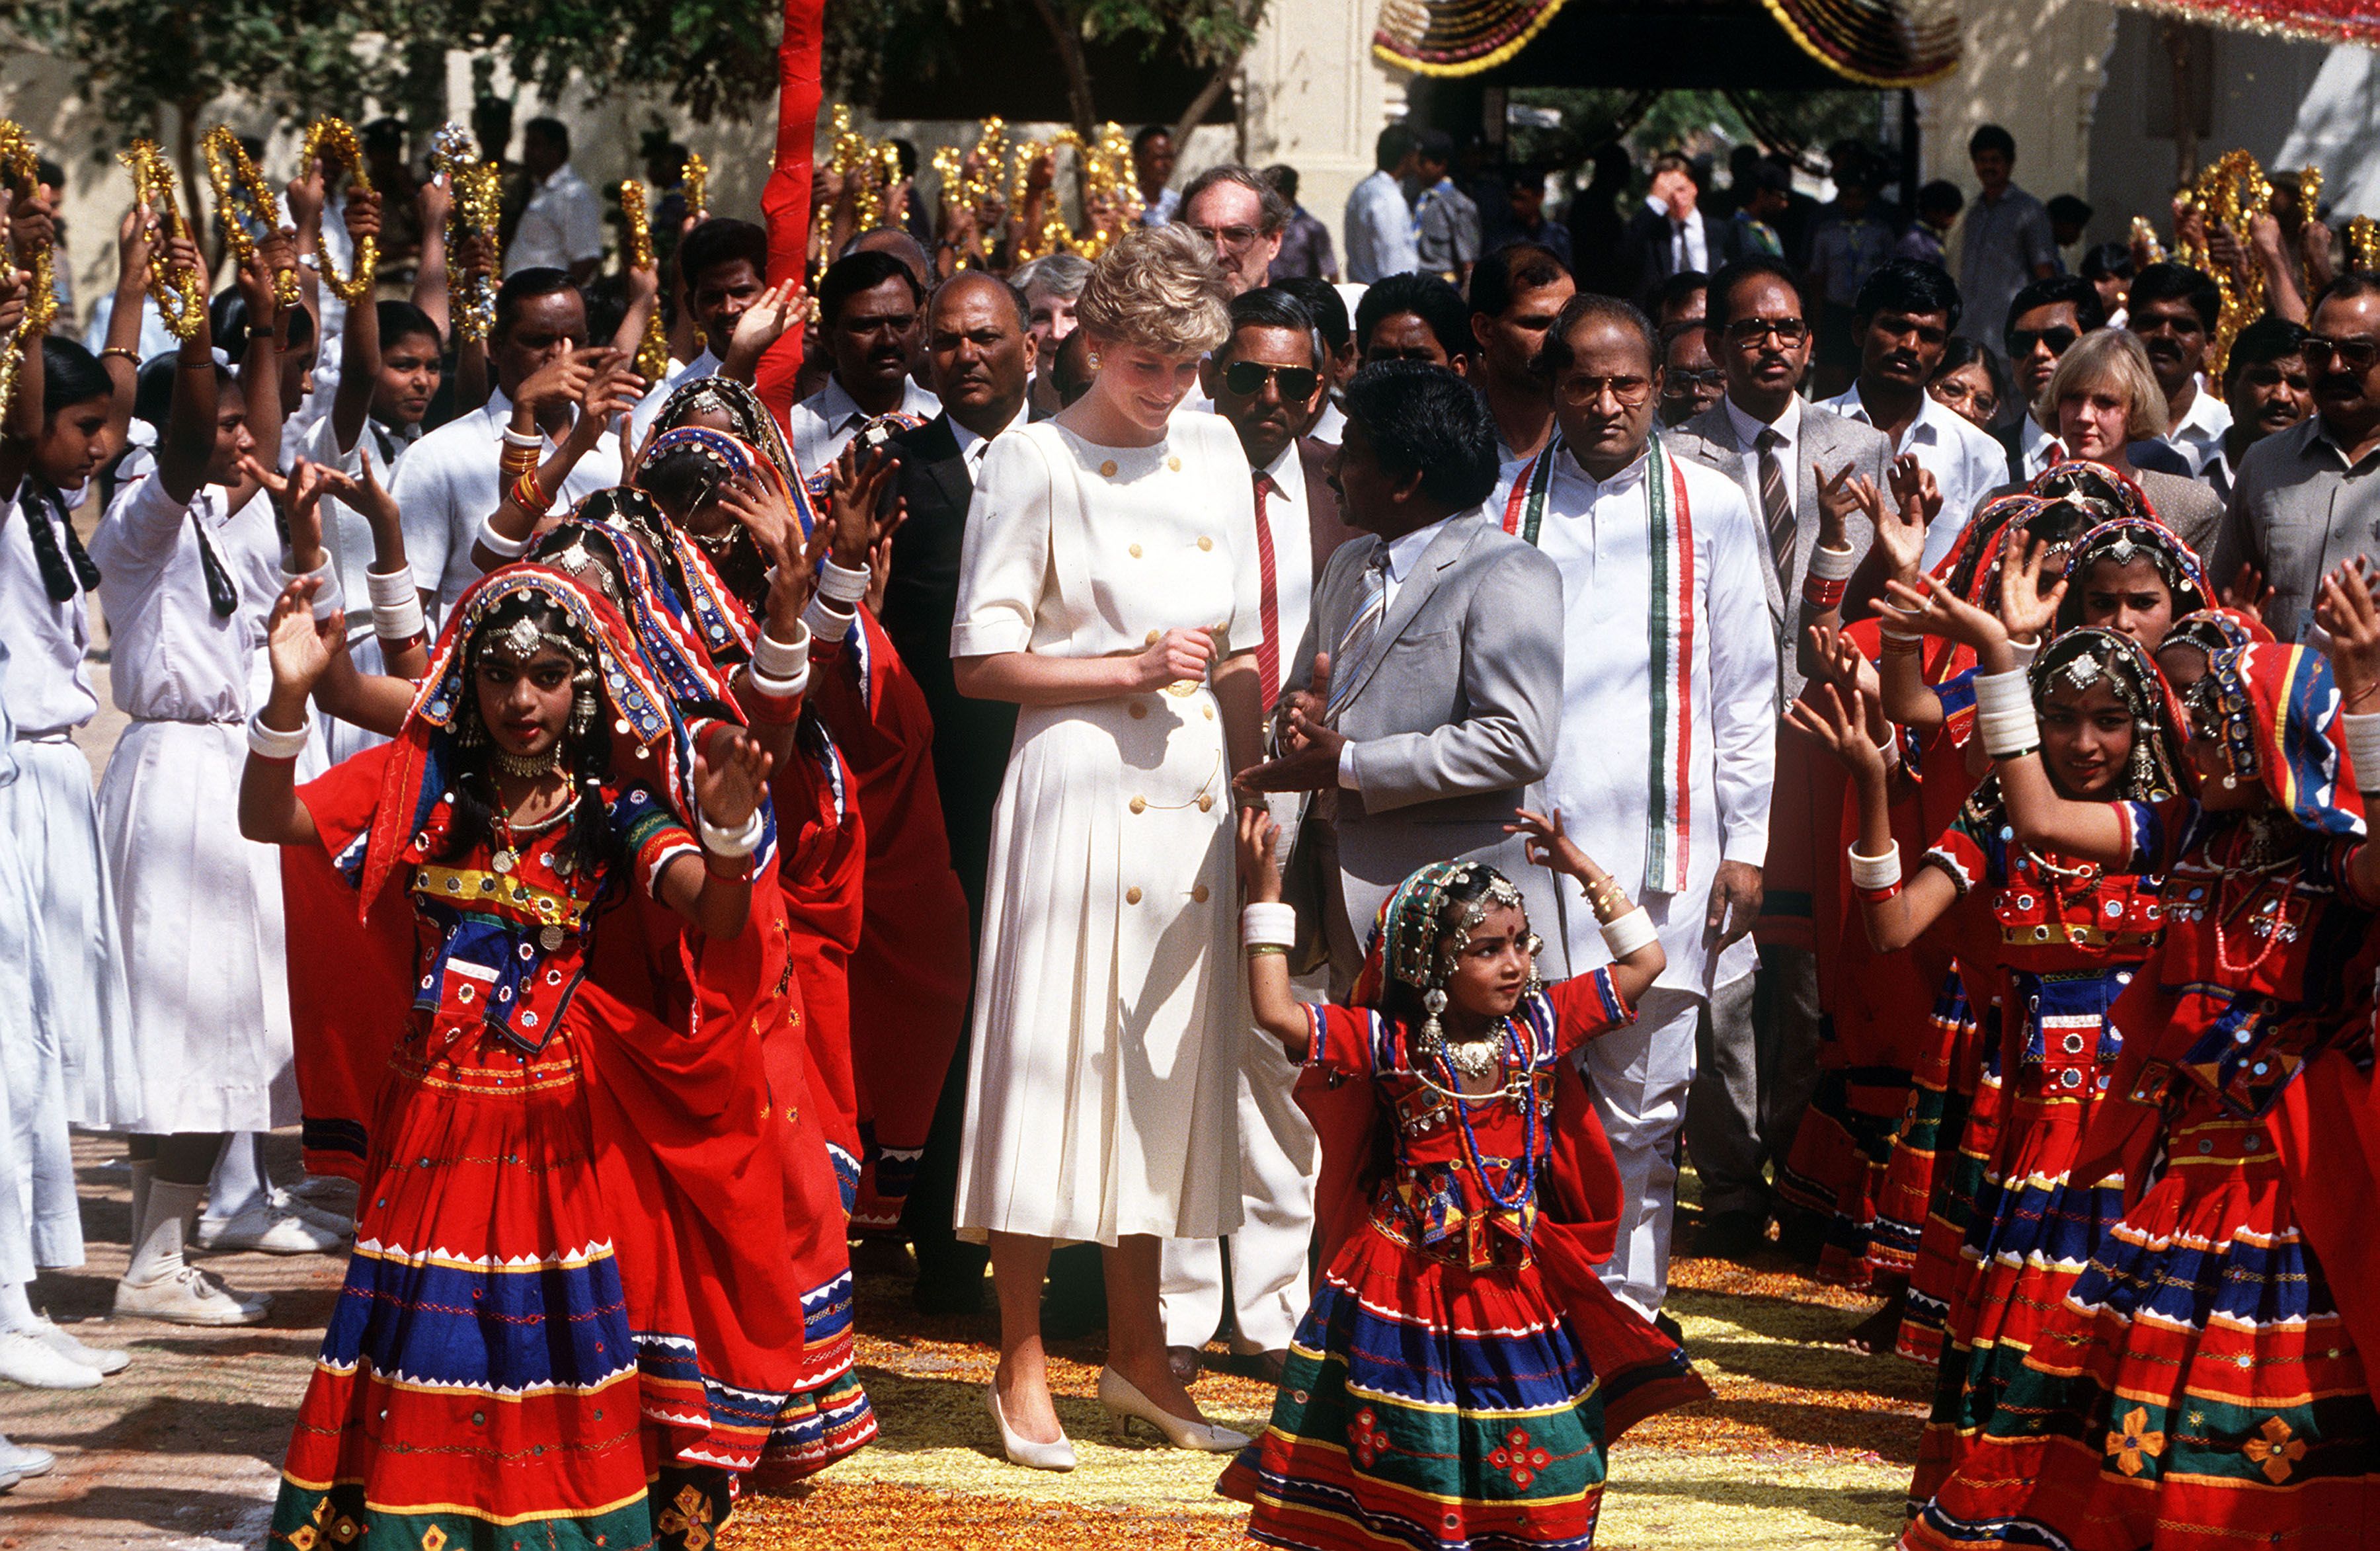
x=2022 y=341
x=1790 y=331
x=1247 y=379
x=2356 y=352
x=1678 y=382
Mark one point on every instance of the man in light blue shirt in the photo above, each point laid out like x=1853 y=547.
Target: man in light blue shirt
x=2004 y=243
x=1382 y=239
x=1152 y=169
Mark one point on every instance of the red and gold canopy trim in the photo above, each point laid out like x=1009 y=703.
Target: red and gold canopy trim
x=2317 y=21
x=1874 y=43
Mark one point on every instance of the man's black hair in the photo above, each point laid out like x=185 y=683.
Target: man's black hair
x=2171 y=281
x=1148 y=133
x=526 y=285
x=2089 y=311
x=1395 y=143
x=1556 y=357
x=551 y=129
x=2106 y=259
x=854 y=272
x=720 y=240
x=1910 y=286
x=1940 y=195
x=2069 y=209
x=1678 y=287
x=2344 y=285
x=1270 y=306
x=1324 y=305
x=1424 y=417
x=2269 y=338
x=1436 y=145
x=1723 y=285
x=1428 y=298
x=1991 y=136
x=1502 y=275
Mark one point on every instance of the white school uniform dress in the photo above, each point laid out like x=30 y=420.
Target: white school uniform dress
x=1279 y=1154
x=1597 y=534
x=822 y=425
x=1109 y=1014
x=347 y=542
x=198 y=907
x=447 y=487
x=1966 y=461
x=23 y=1002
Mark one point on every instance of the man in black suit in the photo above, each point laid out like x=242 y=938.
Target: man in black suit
x=980 y=349
x=1668 y=235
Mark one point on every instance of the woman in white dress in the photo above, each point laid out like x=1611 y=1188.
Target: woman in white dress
x=1109 y=586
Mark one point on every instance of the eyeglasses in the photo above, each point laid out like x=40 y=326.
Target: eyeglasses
x=2356 y=352
x=1677 y=383
x=1629 y=391
x=1231 y=239
x=1951 y=392
x=1247 y=379
x=1790 y=331
x=2022 y=341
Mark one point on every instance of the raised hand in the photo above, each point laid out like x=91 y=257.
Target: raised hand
x=2026 y=612
x=2248 y=592
x=306 y=196
x=856 y=507
x=730 y=777
x=297 y=646
x=567 y=378
x=1839 y=497
x=1549 y=845
x=1911 y=484
x=132 y=243
x=1900 y=524
x=362 y=215
x=1838 y=722
x=1939 y=611
x=610 y=390
x=765 y=321
x=365 y=495
x=432 y=199
x=2347 y=613
x=1259 y=867
x=1841 y=663
x=32 y=224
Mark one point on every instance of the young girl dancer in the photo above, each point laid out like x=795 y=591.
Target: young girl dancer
x=1435 y=1392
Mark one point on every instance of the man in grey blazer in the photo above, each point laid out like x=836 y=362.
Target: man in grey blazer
x=1759 y=1039
x=1425 y=701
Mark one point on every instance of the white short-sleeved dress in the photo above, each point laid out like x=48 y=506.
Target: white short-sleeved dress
x=1101 y=1085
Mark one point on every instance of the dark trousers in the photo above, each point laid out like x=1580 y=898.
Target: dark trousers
x=1756 y=1064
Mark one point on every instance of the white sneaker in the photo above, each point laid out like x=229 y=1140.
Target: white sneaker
x=27 y=1360
x=330 y=1220
x=9 y=1479
x=190 y=1297
x=62 y=1341
x=269 y=1229
x=22 y=1459
x=327 y=1190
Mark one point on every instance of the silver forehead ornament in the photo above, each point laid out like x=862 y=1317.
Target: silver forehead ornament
x=2082 y=671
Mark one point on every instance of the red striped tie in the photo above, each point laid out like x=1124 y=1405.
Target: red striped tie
x=1267 y=649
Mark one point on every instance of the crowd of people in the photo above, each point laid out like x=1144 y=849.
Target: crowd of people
x=1105 y=762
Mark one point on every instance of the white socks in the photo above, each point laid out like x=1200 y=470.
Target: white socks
x=144 y=1170
x=239 y=1183
x=16 y=1308
x=157 y=1246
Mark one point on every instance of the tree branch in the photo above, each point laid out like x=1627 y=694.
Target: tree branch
x=1250 y=16
x=1069 y=39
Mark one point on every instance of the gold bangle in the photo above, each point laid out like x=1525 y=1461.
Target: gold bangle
x=1263 y=949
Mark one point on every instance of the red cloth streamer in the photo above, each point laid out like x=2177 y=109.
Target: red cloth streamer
x=785 y=202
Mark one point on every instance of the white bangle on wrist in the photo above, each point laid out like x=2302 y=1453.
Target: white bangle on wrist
x=1625 y=934
x=497 y=544
x=1875 y=872
x=327 y=598
x=2362 y=733
x=523 y=439
x=2024 y=651
x=783 y=660
x=2004 y=714
x=1829 y=565
x=842 y=584
x=277 y=743
x=732 y=844
x=824 y=620
x=1269 y=923
x=396 y=605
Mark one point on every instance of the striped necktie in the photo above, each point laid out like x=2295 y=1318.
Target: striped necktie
x=1268 y=576
x=1362 y=634
x=1776 y=508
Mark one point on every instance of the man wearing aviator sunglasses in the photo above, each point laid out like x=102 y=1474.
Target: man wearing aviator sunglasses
x=2045 y=321
x=2306 y=498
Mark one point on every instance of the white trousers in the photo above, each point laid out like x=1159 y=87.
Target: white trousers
x=1640 y=1076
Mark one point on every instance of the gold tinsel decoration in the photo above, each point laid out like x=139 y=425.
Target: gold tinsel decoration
x=652 y=349
x=181 y=295
x=335 y=140
x=20 y=169
x=473 y=209
x=237 y=184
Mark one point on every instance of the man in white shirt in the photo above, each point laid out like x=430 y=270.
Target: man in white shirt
x=1663 y=768
x=2173 y=309
x=872 y=316
x=1382 y=239
x=446 y=485
x=1903 y=319
x=1269 y=381
x=724 y=266
x=562 y=226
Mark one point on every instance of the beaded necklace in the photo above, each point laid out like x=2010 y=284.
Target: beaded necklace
x=2247 y=860
x=1517 y=1089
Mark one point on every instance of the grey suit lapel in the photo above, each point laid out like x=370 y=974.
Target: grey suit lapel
x=1415 y=591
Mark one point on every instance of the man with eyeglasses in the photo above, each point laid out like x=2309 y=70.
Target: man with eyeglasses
x=2307 y=497
x=1268 y=379
x=1234 y=208
x=1666 y=757
x=1902 y=320
x=2045 y=319
x=1691 y=382
x=1759 y=1064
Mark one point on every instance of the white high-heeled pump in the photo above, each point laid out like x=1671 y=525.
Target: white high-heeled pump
x=1123 y=1400
x=1059 y=1456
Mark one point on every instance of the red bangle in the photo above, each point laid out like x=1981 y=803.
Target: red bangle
x=777 y=710
x=1878 y=896
x=529 y=496
x=1821 y=594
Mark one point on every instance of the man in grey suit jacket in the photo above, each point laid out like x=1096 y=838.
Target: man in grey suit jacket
x=1760 y=1038
x=1426 y=698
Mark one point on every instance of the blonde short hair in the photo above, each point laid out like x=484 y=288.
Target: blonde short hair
x=1158 y=287
x=2109 y=358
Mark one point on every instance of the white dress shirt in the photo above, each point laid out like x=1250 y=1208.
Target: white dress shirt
x=972 y=447
x=44 y=685
x=1964 y=460
x=649 y=408
x=2198 y=435
x=2036 y=449
x=561 y=225
x=823 y=424
x=1331 y=426
x=1382 y=236
x=446 y=485
x=1688 y=248
x=347 y=535
x=1596 y=533
x=1747 y=432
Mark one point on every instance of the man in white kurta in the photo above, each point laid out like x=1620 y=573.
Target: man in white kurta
x=1597 y=530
